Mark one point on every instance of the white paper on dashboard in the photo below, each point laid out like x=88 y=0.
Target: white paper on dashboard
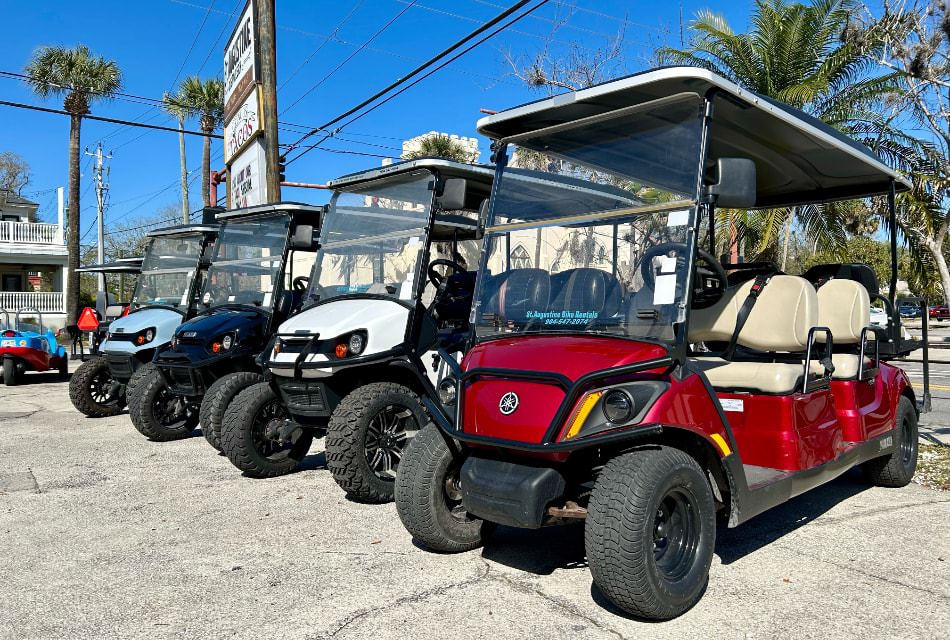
x=677 y=218
x=664 y=291
x=230 y=298
x=405 y=290
x=266 y=301
x=413 y=240
x=184 y=299
x=667 y=264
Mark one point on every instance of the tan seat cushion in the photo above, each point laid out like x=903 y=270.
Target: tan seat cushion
x=846 y=366
x=844 y=306
x=766 y=377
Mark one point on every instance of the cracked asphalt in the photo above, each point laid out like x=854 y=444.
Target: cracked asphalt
x=106 y=535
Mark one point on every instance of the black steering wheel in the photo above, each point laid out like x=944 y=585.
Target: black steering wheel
x=709 y=277
x=300 y=283
x=439 y=281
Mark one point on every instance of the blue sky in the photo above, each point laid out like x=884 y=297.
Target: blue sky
x=151 y=41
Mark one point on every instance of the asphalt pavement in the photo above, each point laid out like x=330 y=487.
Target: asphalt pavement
x=106 y=535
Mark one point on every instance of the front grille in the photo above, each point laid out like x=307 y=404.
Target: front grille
x=120 y=367
x=293 y=346
x=180 y=381
x=304 y=396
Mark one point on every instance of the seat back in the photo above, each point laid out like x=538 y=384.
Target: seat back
x=844 y=307
x=521 y=291
x=586 y=289
x=787 y=308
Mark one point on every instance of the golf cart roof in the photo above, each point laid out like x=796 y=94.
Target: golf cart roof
x=798 y=158
x=182 y=230
x=275 y=207
x=122 y=265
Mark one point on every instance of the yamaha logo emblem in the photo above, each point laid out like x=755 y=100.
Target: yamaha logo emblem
x=508 y=403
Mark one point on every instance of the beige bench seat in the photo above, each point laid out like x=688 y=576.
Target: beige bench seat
x=764 y=377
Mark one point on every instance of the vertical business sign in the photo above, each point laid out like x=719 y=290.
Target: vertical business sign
x=243 y=144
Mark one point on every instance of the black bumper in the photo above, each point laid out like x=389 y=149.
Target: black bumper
x=509 y=493
x=306 y=398
x=122 y=366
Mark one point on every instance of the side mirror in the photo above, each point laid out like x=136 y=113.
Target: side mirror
x=453 y=194
x=735 y=183
x=303 y=238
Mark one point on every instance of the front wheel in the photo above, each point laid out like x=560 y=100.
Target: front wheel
x=429 y=496
x=650 y=532
x=216 y=400
x=93 y=390
x=898 y=467
x=257 y=437
x=159 y=415
x=366 y=438
x=9 y=372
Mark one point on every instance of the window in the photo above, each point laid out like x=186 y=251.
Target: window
x=520 y=258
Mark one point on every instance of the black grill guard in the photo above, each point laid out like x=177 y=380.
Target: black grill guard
x=122 y=366
x=306 y=398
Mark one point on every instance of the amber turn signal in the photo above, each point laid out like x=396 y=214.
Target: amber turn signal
x=341 y=350
x=216 y=347
x=140 y=339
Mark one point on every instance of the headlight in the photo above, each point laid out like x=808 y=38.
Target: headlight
x=618 y=407
x=223 y=343
x=145 y=336
x=357 y=344
x=350 y=345
x=447 y=391
x=603 y=410
x=227 y=341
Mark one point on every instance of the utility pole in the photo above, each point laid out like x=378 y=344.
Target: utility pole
x=102 y=189
x=268 y=57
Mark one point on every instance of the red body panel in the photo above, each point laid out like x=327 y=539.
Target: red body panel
x=36 y=359
x=866 y=409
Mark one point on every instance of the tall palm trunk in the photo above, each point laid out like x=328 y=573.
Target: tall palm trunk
x=185 y=205
x=72 y=218
x=206 y=171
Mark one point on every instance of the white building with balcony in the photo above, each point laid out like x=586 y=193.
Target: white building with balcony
x=32 y=261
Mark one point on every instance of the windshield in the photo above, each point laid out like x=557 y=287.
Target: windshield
x=372 y=239
x=246 y=262
x=588 y=230
x=167 y=272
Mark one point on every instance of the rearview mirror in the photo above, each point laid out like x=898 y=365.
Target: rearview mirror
x=303 y=239
x=735 y=183
x=453 y=194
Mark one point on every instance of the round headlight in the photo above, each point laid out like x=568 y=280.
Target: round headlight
x=149 y=335
x=357 y=343
x=447 y=391
x=618 y=407
x=227 y=341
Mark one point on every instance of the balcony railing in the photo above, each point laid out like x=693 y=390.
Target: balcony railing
x=45 y=301
x=30 y=232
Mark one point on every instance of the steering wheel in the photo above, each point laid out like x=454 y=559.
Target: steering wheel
x=439 y=281
x=709 y=278
x=300 y=283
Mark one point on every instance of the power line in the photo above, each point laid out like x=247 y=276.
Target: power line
x=331 y=36
x=214 y=44
x=193 y=42
x=352 y=55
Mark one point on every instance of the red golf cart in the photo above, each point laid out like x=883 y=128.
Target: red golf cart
x=619 y=373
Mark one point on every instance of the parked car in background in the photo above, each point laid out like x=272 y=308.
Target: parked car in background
x=878 y=316
x=908 y=310
x=939 y=312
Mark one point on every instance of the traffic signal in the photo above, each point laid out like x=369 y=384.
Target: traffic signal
x=281 y=169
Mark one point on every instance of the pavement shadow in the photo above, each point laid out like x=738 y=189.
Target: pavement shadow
x=313 y=462
x=766 y=528
x=538 y=551
x=40 y=377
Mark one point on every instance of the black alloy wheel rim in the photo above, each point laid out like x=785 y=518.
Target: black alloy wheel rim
x=170 y=410
x=452 y=492
x=386 y=438
x=99 y=387
x=266 y=429
x=907 y=443
x=676 y=533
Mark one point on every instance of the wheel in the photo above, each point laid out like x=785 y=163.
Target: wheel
x=137 y=376
x=256 y=437
x=91 y=390
x=159 y=415
x=216 y=400
x=9 y=372
x=650 y=532
x=897 y=468
x=429 y=499
x=366 y=436
x=64 y=367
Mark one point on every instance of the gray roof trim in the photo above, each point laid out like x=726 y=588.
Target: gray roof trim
x=183 y=229
x=447 y=168
x=276 y=207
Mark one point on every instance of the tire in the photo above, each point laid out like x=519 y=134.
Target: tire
x=157 y=414
x=644 y=574
x=898 y=467
x=216 y=400
x=383 y=414
x=89 y=390
x=137 y=376
x=9 y=372
x=245 y=439
x=428 y=499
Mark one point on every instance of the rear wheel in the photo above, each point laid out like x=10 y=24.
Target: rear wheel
x=216 y=400
x=159 y=415
x=9 y=372
x=429 y=496
x=650 y=532
x=93 y=390
x=255 y=435
x=897 y=468
x=366 y=438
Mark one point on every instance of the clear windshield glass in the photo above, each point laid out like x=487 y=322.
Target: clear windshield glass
x=588 y=230
x=246 y=263
x=167 y=272
x=372 y=239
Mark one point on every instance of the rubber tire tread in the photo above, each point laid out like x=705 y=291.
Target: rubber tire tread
x=9 y=372
x=141 y=414
x=137 y=376
x=236 y=431
x=79 y=390
x=216 y=400
x=346 y=437
x=616 y=536
x=420 y=497
x=889 y=471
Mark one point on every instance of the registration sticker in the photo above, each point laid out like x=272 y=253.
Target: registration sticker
x=732 y=404
x=677 y=218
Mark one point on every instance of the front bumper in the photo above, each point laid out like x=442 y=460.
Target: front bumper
x=509 y=493
x=306 y=398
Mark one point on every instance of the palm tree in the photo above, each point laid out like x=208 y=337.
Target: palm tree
x=174 y=107
x=794 y=53
x=205 y=100
x=440 y=145
x=82 y=78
